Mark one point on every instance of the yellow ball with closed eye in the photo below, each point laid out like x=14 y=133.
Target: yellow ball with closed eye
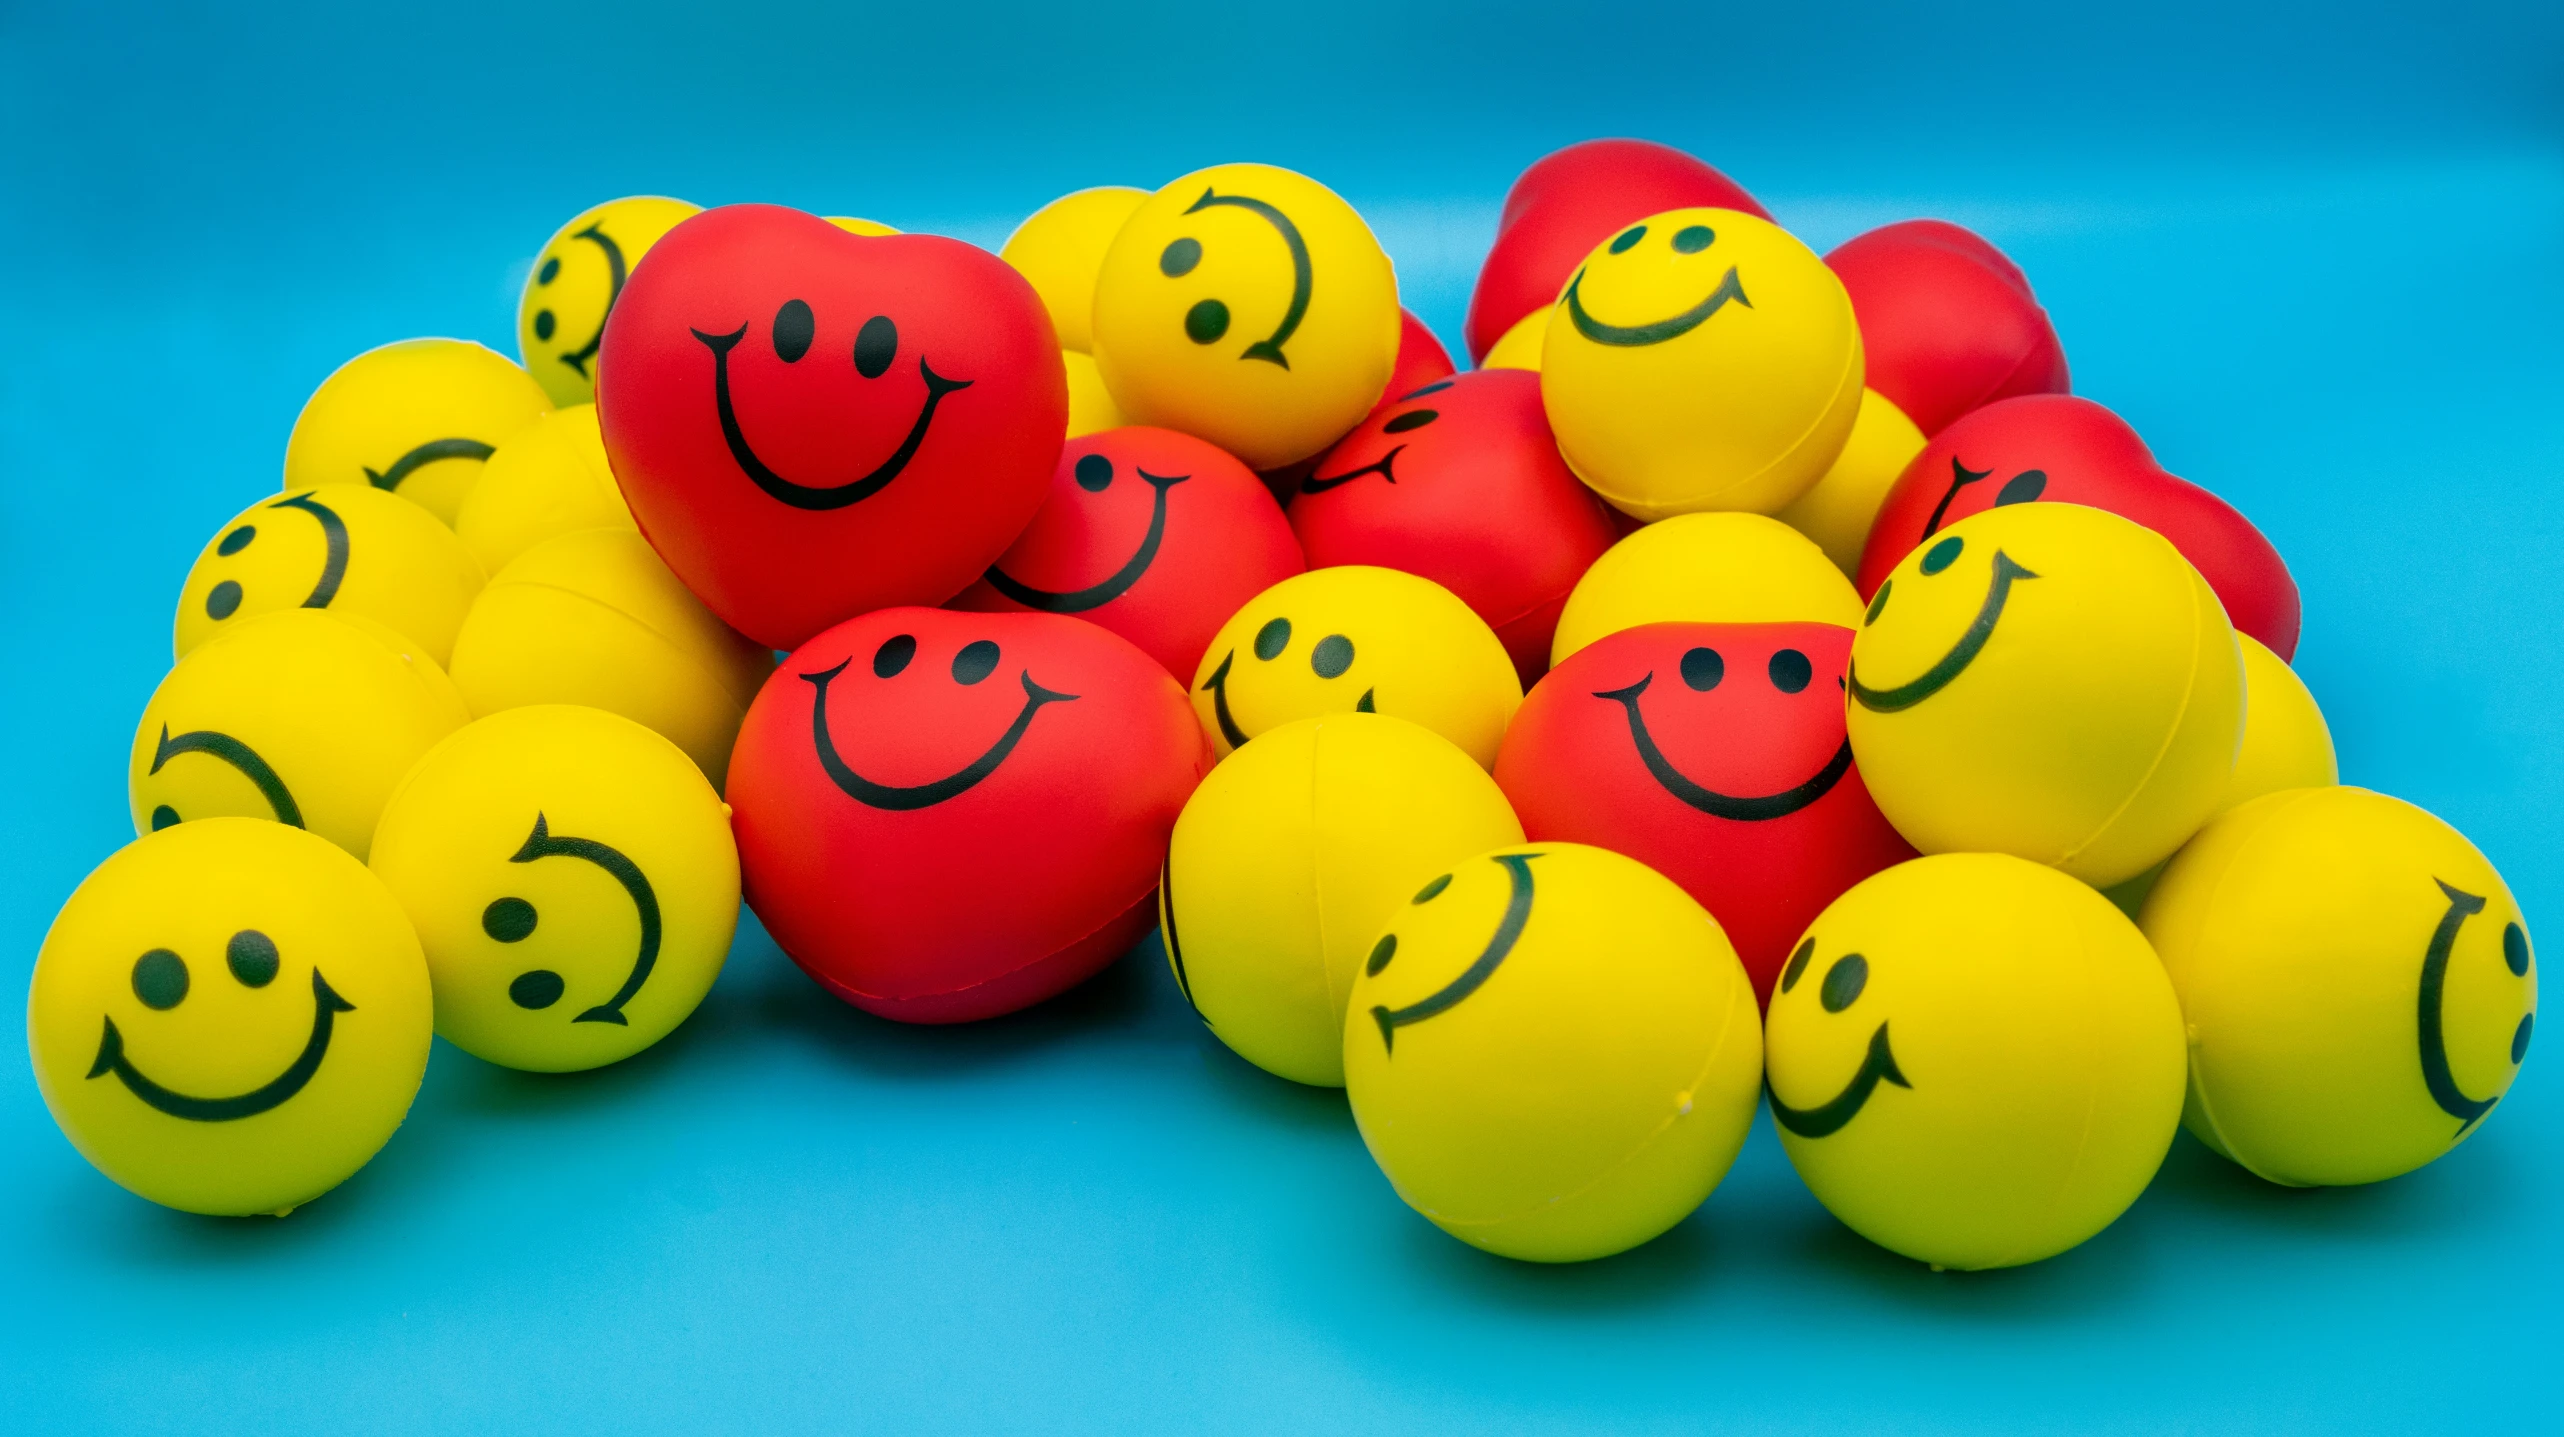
x=416 y=418
x=560 y=319
x=1552 y=1052
x=550 y=480
x=346 y=549
x=1060 y=248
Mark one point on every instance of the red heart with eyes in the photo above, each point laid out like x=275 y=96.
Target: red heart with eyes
x=2068 y=450
x=810 y=424
x=1948 y=323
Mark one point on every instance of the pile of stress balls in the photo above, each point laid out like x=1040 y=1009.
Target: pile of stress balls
x=1758 y=680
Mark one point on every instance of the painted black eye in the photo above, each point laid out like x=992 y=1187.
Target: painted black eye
x=2023 y=487
x=1432 y=891
x=1790 y=671
x=976 y=661
x=544 y=324
x=1797 y=968
x=1094 y=473
x=540 y=988
x=2519 y=1037
x=509 y=920
x=223 y=600
x=876 y=345
x=1627 y=238
x=163 y=817
x=1381 y=953
x=252 y=956
x=551 y=271
x=1412 y=419
x=237 y=540
x=1878 y=601
x=1204 y=323
x=1844 y=982
x=1702 y=669
x=1692 y=239
x=1272 y=639
x=1179 y=257
x=1331 y=656
x=893 y=655
x=160 y=979
x=794 y=327
x=2515 y=949
x=1940 y=556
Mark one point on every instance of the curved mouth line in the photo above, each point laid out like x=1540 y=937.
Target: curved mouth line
x=924 y=795
x=333 y=536
x=578 y=358
x=2442 y=1083
x=1998 y=592
x=541 y=844
x=240 y=756
x=1380 y=466
x=1174 y=944
x=326 y=1005
x=1217 y=686
x=1269 y=348
x=1828 y=1118
x=805 y=496
x=1961 y=476
x=428 y=453
x=1095 y=596
x=1633 y=336
x=1709 y=800
x=1500 y=946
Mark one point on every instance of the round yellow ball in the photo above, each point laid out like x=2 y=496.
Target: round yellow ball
x=1708 y=569
x=1060 y=249
x=560 y=318
x=550 y=480
x=1838 y=510
x=1520 y=346
x=417 y=418
x=345 y=549
x=1090 y=405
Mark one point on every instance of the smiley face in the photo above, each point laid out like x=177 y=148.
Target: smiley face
x=415 y=419
x=794 y=330
x=560 y=320
x=1701 y=359
x=1250 y=306
x=357 y=551
x=1357 y=639
x=229 y=1017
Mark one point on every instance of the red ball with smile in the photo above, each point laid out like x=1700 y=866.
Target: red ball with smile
x=944 y=816
x=1461 y=483
x=1715 y=754
x=810 y=423
x=1155 y=535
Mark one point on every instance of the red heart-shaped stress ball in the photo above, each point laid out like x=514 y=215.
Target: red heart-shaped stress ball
x=1948 y=323
x=810 y=424
x=946 y=816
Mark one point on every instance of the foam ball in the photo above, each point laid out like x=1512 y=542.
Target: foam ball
x=1061 y=246
x=1461 y=483
x=303 y=716
x=1948 y=322
x=1250 y=306
x=1705 y=569
x=1839 y=508
x=947 y=816
x=1552 y=1052
x=349 y=550
x=1288 y=860
x=550 y=480
x=560 y=319
x=572 y=878
x=1702 y=359
x=1357 y=639
x=2304 y=931
x=1715 y=754
x=1152 y=534
x=230 y=1017
x=1421 y=357
x=1521 y=345
x=415 y=418
x=2049 y=681
x=1974 y=1061
x=1090 y=404
x=594 y=618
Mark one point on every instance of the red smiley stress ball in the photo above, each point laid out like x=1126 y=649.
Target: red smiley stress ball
x=810 y=423
x=1948 y=323
x=947 y=816
x=1460 y=482
x=2072 y=451
x=1715 y=754
x=1155 y=535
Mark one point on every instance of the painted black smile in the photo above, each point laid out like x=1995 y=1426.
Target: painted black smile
x=925 y=795
x=1175 y=945
x=1380 y=466
x=2436 y=1076
x=1269 y=348
x=1500 y=945
x=1709 y=800
x=1633 y=336
x=1998 y=591
x=1217 y=686
x=240 y=756
x=425 y=454
x=326 y=1005
x=1095 y=596
x=805 y=496
x=333 y=537
x=1961 y=476
x=541 y=844
x=1828 y=1118
x=578 y=358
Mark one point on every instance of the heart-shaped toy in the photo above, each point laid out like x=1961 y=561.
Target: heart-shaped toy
x=1948 y=323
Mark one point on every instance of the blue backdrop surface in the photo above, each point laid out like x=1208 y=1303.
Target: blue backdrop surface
x=2315 y=254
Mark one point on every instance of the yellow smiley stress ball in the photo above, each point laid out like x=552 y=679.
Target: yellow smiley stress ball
x=304 y=716
x=595 y=618
x=573 y=879
x=2049 y=681
x=1705 y=569
x=550 y=480
x=1974 y=1060
x=560 y=319
x=1552 y=1052
x=229 y=1017
x=346 y=549
x=1060 y=248
x=1701 y=359
x=1289 y=858
x=1249 y=306
x=2306 y=932
x=416 y=418
x=1357 y=639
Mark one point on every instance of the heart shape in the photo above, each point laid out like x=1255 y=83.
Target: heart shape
x=1948 y=322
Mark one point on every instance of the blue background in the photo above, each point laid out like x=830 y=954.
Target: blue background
x=2314 y=251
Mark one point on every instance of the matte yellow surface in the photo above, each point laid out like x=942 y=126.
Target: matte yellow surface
x=1520 y=346
x=595 y=618
x=550 y=480
x=2089 y=695
x=572 y=878
x=1705 y=568
x=346 y=549
x=1306 y=335
x=1060 y=249
x=1287 y=861
x=1090 y=405
x=560 y=318
x=2035 y=1048
x=264 y=1125
x=1664 y=411
x=335 y=707
x=416 y=417
x=854 y=225
x=2303 y=932
x=1582 y=1094
x=1838 y=510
